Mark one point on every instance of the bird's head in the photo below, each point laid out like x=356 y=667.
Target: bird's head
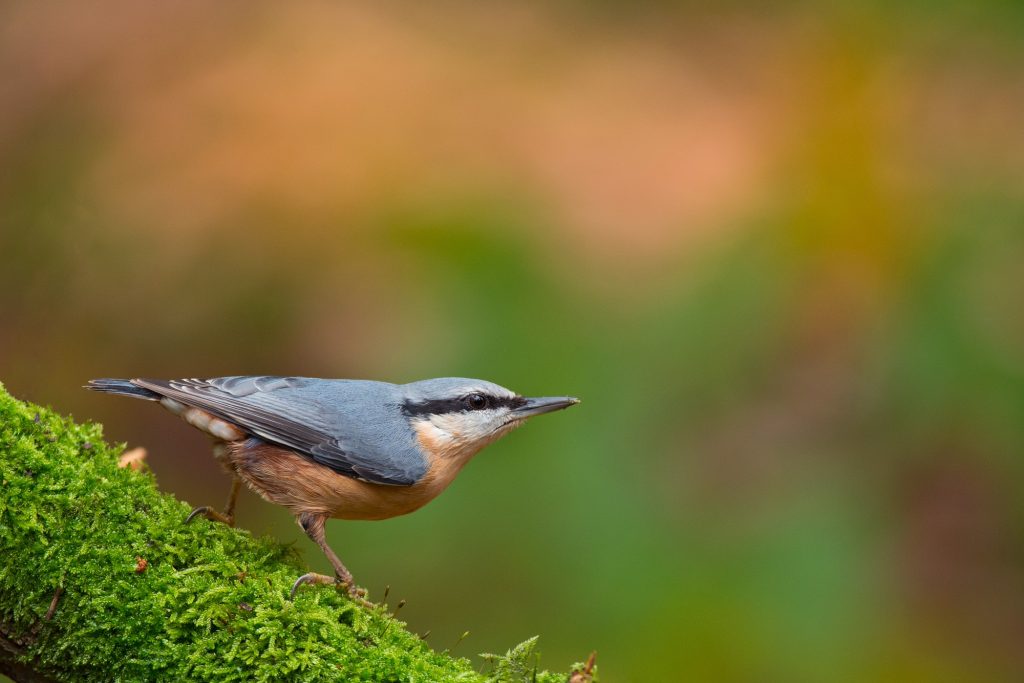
x=453 y=416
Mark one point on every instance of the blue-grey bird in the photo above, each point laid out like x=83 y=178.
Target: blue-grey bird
x=350 y=449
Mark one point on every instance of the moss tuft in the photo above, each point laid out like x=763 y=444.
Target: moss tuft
x=521 y=664
x=144 y=597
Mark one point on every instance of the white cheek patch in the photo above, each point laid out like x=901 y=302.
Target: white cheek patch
x=468 y=427
x=461 y=435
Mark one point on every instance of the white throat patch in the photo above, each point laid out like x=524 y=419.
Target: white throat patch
x=461 y=435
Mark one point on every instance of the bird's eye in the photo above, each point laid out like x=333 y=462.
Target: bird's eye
x=476 y=401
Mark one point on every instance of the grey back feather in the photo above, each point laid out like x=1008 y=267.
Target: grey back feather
x=355 y=427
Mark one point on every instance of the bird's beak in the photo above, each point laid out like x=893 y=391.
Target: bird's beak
x=539 y=406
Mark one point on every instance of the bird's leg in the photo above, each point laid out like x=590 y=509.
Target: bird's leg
x=313 y=525
x=228 y=516
x=229 y=507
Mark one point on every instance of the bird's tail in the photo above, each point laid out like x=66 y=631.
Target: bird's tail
x=124 y=387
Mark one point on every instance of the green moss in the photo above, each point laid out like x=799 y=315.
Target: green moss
x=211 y=603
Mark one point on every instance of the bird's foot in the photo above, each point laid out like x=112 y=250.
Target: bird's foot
x=355 y=592
x=211 y=514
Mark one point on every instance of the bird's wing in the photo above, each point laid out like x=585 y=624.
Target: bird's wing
x=291 y=412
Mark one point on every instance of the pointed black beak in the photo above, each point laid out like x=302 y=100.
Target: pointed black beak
x=539 y=406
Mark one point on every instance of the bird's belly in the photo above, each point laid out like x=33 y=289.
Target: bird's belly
x=287 y=478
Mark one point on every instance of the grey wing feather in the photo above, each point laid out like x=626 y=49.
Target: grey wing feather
x=285 y=411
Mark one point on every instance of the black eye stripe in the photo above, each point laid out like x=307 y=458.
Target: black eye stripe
x=457 y=405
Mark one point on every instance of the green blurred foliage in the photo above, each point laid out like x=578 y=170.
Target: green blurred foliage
x=798 y=453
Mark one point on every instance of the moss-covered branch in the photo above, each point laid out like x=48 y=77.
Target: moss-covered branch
x=101 y=581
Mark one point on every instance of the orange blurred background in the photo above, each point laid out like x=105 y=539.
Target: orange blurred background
x=778 y=252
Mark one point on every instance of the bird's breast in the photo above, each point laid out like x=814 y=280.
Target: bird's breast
x=287 y=478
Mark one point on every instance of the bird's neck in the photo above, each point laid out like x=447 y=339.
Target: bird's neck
x=442 y=440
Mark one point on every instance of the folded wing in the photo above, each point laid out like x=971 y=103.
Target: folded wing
x=293 y=412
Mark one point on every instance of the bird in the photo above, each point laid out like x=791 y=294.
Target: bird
x=339 y=448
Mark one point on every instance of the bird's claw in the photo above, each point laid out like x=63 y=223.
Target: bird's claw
x=355 y=592
x=210 y=514
x=310 y=578
x=201 y=510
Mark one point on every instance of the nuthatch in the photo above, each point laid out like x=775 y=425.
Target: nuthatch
x=350 y=449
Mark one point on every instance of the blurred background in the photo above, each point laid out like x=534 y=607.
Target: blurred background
x=779 y=252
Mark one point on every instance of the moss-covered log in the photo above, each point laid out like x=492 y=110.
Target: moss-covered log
x=101 y=581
